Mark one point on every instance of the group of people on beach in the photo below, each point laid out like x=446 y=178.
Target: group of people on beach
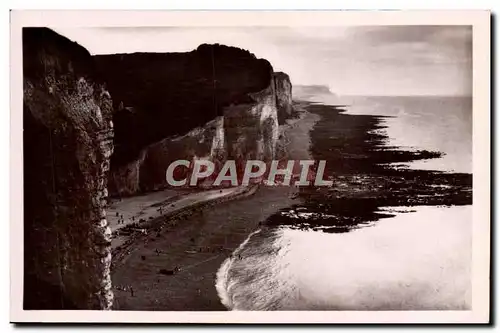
x=126 y=288
x=121 y=220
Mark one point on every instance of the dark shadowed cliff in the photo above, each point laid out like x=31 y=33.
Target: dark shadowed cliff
x=214 y=102
x=67 y=145
x=157 y=95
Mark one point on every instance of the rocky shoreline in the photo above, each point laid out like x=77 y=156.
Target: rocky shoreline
x=365 y=177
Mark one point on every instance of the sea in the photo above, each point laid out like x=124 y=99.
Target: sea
x=434 y=123
x=418 y=259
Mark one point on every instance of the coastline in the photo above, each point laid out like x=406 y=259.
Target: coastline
x=175 y=269
x=131 y=233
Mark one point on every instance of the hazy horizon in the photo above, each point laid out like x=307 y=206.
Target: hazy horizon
x=351 y=61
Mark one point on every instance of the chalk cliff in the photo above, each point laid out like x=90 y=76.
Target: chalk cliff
x=215 y=102
x=67 y=144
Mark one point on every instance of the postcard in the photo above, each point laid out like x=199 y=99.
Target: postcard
x=250 y=167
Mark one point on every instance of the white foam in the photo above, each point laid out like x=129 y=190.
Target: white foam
x=415 y=261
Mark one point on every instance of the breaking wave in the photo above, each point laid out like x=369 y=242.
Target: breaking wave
x=415 y=261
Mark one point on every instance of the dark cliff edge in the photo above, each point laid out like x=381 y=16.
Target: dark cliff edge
x=157 y=95
x=82 y=142
x=283 y=88
x=67 y=144
x=214 y=102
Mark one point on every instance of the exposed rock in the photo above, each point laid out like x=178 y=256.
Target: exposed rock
x=125 y=180
x=283 y=88
x=67 y=146
x=252 y=129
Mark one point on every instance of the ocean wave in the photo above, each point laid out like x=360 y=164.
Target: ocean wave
x=410 y=262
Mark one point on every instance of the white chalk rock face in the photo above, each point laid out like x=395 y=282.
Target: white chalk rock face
x=245 y=131
x=414 y=261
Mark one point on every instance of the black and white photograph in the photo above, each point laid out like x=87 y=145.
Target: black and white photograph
x=226 y=168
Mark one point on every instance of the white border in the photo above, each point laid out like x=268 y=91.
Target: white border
x=481 y=153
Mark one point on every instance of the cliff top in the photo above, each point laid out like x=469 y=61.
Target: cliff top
x=45 y=45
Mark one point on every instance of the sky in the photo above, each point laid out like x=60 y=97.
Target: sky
x=351 y=60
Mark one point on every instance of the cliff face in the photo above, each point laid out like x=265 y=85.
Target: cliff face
x=67 y=146
x=158 y=95
x=215 y=102
x=147 y=172
x=245 y=131
x=283 y=96
x=252 y=129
